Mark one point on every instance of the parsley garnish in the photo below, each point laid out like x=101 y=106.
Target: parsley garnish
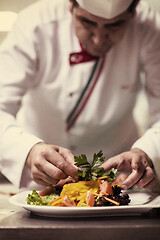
x=92 y=170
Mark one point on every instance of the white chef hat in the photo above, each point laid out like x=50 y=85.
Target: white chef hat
x=105 y=8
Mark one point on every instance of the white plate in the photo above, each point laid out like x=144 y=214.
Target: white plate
x=141 y=202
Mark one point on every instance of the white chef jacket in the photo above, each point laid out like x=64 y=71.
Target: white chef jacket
x=38 y=83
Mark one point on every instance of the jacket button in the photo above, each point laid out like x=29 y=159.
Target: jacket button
x=71 y=94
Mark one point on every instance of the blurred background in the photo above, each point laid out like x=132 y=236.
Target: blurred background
x=8 y=14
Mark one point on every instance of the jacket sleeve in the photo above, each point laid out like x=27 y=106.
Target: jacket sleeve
x=18 y=68
x=150 y=57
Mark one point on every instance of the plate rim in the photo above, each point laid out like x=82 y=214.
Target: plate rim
x=48 y=210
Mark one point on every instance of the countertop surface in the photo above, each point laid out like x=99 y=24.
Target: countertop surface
x=18 y=223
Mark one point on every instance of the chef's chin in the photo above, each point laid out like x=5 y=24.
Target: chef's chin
x=99 y=52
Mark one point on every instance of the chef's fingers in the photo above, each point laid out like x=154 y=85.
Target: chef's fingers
x=120 y=179
x=65 y=181
x=148 y=180
x=49 y=169
x=51 y=188
x=66 y=154
x=110 y=163
x=48 y=160
x=54 y=157
x=122 y=162
x=153 y=184
x=41 y=182
x=42 y=178
x=69 y=158
x=46 y=191
x=138 y=169
x=44 y=181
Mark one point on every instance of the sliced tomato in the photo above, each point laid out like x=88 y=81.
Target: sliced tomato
x=105 y=187
x=90 y=200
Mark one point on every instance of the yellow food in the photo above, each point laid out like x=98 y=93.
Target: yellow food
x=77 y=192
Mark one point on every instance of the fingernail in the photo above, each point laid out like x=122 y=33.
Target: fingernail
x=124 y=187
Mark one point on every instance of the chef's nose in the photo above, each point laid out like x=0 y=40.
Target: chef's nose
x=98 y=37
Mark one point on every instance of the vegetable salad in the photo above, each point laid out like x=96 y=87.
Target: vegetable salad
x=94 y=188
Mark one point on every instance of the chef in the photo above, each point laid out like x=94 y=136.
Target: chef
x=70 y=76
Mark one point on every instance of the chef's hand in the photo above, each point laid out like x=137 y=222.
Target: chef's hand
x=50 y=163
x=139 y=167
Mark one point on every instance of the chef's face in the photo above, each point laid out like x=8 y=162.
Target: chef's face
x=98 y=35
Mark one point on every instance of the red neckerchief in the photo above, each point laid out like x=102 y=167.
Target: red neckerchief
x=80 y=57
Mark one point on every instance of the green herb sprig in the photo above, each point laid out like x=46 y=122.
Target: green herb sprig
x=92 y=170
